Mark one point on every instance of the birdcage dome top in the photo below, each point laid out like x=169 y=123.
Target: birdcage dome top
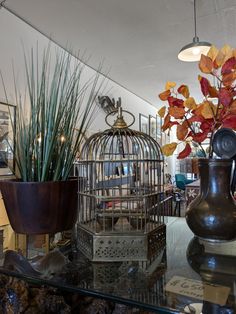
x=121 y=142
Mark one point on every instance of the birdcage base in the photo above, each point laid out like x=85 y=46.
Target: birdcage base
x=121 y=246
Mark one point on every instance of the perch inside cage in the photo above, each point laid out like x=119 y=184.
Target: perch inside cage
x=120 y=196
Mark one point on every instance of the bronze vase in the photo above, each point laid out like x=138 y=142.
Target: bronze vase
x=40 y=207
x=212 y=215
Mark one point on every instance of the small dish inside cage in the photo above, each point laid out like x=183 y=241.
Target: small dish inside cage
x=120 y=195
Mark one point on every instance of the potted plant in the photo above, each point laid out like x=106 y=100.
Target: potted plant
x=212 y=215
x=49 y=131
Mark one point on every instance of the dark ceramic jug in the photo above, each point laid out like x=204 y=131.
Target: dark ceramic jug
x=212 y=215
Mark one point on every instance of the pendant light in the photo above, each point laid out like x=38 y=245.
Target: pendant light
x=193 y=51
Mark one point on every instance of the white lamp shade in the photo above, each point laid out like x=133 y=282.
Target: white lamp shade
x=192 y=52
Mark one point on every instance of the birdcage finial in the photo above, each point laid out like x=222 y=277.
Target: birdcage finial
x=119 y=123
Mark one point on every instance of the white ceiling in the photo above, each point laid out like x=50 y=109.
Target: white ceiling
x=138 y=39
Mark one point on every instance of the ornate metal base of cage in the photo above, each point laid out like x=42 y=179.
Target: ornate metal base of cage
x=115 y=247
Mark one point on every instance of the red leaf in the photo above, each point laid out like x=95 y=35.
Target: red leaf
x=196 y=119
x=206 y=125
x=230 y=122
x=187 y=150
x=205 y=85
x=173 y=101
x=229 y=65
x=225 y=96
x=200 y=137
x=232 y=108
x=178 y=103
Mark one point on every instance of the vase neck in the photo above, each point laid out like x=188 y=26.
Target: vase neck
x=215 y=175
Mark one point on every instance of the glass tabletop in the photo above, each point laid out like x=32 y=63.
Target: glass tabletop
x=189 y=276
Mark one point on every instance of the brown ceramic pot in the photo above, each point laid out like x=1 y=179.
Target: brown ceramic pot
x=212 y=215
x=40 y=207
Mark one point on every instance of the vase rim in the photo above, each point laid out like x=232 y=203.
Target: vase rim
x=19 y=181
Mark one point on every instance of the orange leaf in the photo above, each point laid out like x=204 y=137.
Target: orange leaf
x=170 y=85
x=205 y=64
x=228 y=79
x=212 y=91
x=169 y=149
x=185 y=152
x=162 y=111
x=183 y=90
x=190 y=103
x=164 y=95
x=182 y=131
x=212 y=53
x=176 y=112
x=166 y=123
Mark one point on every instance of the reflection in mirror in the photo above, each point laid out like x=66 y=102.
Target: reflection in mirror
x=215 y=262
x=7 y=138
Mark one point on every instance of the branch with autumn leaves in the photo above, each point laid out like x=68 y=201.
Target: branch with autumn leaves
x=217 y=109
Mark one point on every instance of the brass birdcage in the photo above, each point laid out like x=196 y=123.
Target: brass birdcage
x=121 y=191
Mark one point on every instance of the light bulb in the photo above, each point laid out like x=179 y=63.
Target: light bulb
x=196 y=51
x=63 y=138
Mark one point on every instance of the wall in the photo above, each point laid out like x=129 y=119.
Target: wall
x=15 y=34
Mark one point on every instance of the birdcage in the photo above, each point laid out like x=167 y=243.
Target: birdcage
x=120 y=195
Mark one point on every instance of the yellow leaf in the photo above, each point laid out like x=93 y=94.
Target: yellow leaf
x=227 y=51
x=234 y=52
x=190 y=103
x=169 y=149
x=170 y=85
x=208 y=110
x=212 y=53
x=162 y=111
x=220 y=58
